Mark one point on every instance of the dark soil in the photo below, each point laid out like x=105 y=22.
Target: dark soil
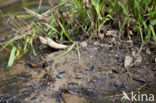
x=98 y=77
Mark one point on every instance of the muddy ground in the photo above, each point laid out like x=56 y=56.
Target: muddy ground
x=99 y=76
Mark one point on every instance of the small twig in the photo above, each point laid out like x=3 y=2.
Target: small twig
x=81 y=27
x=34 y=13
x=141 y=87
x=40 y=3
x=137 y=55
x=3 y=17
x=8 y=43
x=129 y=73
x=47 y=12
x=127 y=93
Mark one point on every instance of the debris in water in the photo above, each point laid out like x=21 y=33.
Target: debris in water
x=91 y=68
x=127 y=61
x=117 y=57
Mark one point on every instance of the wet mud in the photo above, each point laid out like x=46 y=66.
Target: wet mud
x=99 y=76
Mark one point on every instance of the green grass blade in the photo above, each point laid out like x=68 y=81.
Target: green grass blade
x=51 y=27
x=153 y=22
x=78 y=51
x=64 y=53
x=64 y=31
x=124 y=8
x=153 y=33
x=125 y=21
x=79 y=4
x=12 y=57
x=1 y=1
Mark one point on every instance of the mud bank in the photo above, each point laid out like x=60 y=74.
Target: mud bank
x=98 y=77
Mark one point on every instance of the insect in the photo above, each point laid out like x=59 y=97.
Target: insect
x=91 y=68
x=62 y=72
x=58 y=75
x=117 y=57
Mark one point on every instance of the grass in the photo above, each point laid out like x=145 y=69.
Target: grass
x=127 y=15
x=75 y=17
x=22 y=42
x=12 y=57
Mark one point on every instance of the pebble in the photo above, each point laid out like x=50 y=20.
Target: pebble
x=127 y=61
x=96 y=43
x=112 y=39
x=134 y=53
x=118 y=83
x=101 y=36
x=148 y=51
x=83 y=44
x=112 y=33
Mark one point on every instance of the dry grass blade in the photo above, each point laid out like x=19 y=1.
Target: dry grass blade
x=34 y=13
x=61 y=4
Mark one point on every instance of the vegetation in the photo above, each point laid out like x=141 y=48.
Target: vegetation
x=87 y=17
x=1 y=1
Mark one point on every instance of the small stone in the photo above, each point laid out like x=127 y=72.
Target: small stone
x=148 y=51
x=112 y=40
x=134 y=53
x=101 y=36
x=111 y=75
x=130 y=32
x=96 y=43
x=112 y=33
x=83 y=44
x=91 y=56
x=127 y=61
x=118 y=83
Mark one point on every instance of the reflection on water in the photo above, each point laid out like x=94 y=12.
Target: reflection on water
x=17 y=9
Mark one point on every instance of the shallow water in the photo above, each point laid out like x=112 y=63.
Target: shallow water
x=6 y=28
x=17 y=9
x=18 y=77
